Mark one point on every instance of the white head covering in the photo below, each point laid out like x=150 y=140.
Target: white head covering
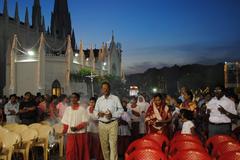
x=138 y=100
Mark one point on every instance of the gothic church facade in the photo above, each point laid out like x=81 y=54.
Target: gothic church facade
x=39 y=59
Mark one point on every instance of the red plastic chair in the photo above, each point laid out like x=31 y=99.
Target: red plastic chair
x=186 y=145
x=191 y=155
x=161 y=139
x=213 y=141
x=146 y=154
x=230 y=156
x=185 y=137
x=177 y=133
x=225 y=147
x=142 y=144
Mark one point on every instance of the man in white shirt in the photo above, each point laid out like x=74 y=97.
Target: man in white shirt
x=221 y=110
x=11 y=109
x=108 y=109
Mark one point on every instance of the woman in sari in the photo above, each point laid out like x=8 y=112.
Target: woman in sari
x=158 y=116
x=188 y=102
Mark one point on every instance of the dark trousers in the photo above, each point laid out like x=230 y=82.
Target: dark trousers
x=134 y=131
x=222 y=128
x=28 y=121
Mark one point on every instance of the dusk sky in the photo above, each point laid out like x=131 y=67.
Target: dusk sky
x=154 y=33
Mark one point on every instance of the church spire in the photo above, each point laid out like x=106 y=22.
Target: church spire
x=91 y=54
x=36 y=3
x=36 y=14
x=73 y=40
x=16 y=13
x=43 y=24
x=61 y=21
x=81 y=54
x=112 y=44
x=81 y=45
x=48 y=30
x=112 y=36
x=5 y=9
x=26 y=17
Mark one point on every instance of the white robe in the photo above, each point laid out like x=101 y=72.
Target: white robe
x=92 y=125
x=124 y=130
x=73 y=118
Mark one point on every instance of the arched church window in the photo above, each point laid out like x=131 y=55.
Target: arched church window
x=56 y=88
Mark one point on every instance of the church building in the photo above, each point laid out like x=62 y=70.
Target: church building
x=36 y=59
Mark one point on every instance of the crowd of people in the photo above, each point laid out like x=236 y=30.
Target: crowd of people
x=105 y=126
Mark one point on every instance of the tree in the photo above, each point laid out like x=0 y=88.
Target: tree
x=81 y=75
x=85 y=72
x=117 y=86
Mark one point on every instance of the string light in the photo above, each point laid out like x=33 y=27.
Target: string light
x=30 y=51
x=50 y=51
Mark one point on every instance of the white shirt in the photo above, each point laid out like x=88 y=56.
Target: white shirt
x=237 y=123
x=92 y=126
x=215 y=115
x=136 y=109
x=72 y=118
x=124 y=130
x=176 y=111
x=110 y=104
x=186 y=128
x=14 y=107
x=238 y=108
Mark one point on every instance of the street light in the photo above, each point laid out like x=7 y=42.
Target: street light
x=92 y=76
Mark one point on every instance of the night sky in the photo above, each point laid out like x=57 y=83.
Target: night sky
x=155 y=33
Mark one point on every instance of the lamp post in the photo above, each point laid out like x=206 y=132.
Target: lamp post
x=92 y=76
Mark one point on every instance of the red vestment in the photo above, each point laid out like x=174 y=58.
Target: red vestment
x=77 y=147
x=95 y=146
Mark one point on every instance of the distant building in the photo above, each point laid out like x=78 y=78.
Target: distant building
x=232 y=74
x=36 y=59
